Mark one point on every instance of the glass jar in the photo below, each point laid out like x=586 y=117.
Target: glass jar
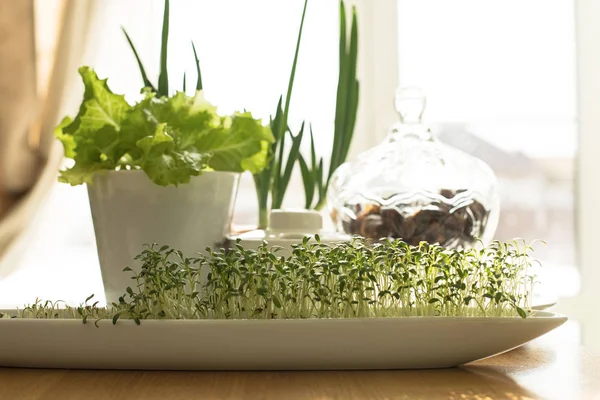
x=415 y=188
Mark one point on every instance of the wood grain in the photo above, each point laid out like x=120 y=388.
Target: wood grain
x=531 y=372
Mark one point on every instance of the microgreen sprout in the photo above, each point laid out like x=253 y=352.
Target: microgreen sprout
x=346 y=280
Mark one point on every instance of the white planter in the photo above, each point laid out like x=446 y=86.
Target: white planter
x=129 y=210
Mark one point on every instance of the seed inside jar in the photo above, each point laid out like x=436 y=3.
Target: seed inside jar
x=436 y=222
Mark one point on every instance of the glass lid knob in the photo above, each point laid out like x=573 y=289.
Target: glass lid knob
x=410 y=104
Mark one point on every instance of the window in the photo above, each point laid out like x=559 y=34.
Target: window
x=500 y=79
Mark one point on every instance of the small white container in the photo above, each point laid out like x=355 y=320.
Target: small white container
x=289 y=227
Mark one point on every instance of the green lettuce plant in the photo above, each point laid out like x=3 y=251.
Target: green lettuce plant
x=170 y=137
x=345 y=280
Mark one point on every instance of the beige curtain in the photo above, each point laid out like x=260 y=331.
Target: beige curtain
x=18 y=98
x=29 y=155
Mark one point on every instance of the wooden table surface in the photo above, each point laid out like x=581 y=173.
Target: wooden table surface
x=538 y=370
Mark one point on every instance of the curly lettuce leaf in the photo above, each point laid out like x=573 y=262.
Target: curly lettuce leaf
x=188 y=115
x=164 y=163
x=92 y=138
x=240 y=145
x=96 y=128
x=258 y=161
x=67 y=140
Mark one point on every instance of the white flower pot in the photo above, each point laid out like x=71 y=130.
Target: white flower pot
x=129 y=211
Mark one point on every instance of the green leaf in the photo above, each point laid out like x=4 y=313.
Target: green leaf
x=308 y=181
x=341 y=98
x=163 y=78
x=165 y=165
x=278 y=164
x=190 y=116
x=277 y=121
x=262 y=182
x=288 y=97
x=239 y=147
x=258 y=161
x=147 y=82
x=321 y=188
x=100 y=107
x=156 y=144
x=174 y=168
x=92 y=138
x=197 y=61
x=347 y=93
x=352 y=99
x=80 y=174
x=346 y=107
x=313 y=152
x=68 y=141
x=271 y=179
x=292 y=157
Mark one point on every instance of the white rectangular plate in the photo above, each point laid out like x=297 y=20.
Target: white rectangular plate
x=316 y=344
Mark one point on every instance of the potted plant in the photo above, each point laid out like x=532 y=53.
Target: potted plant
x=293 y=312
x=164 y=169
x=275 y=178
x=355 y=279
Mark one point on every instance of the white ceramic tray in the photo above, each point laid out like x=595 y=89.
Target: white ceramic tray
x=376 y=343
x=544 y=301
